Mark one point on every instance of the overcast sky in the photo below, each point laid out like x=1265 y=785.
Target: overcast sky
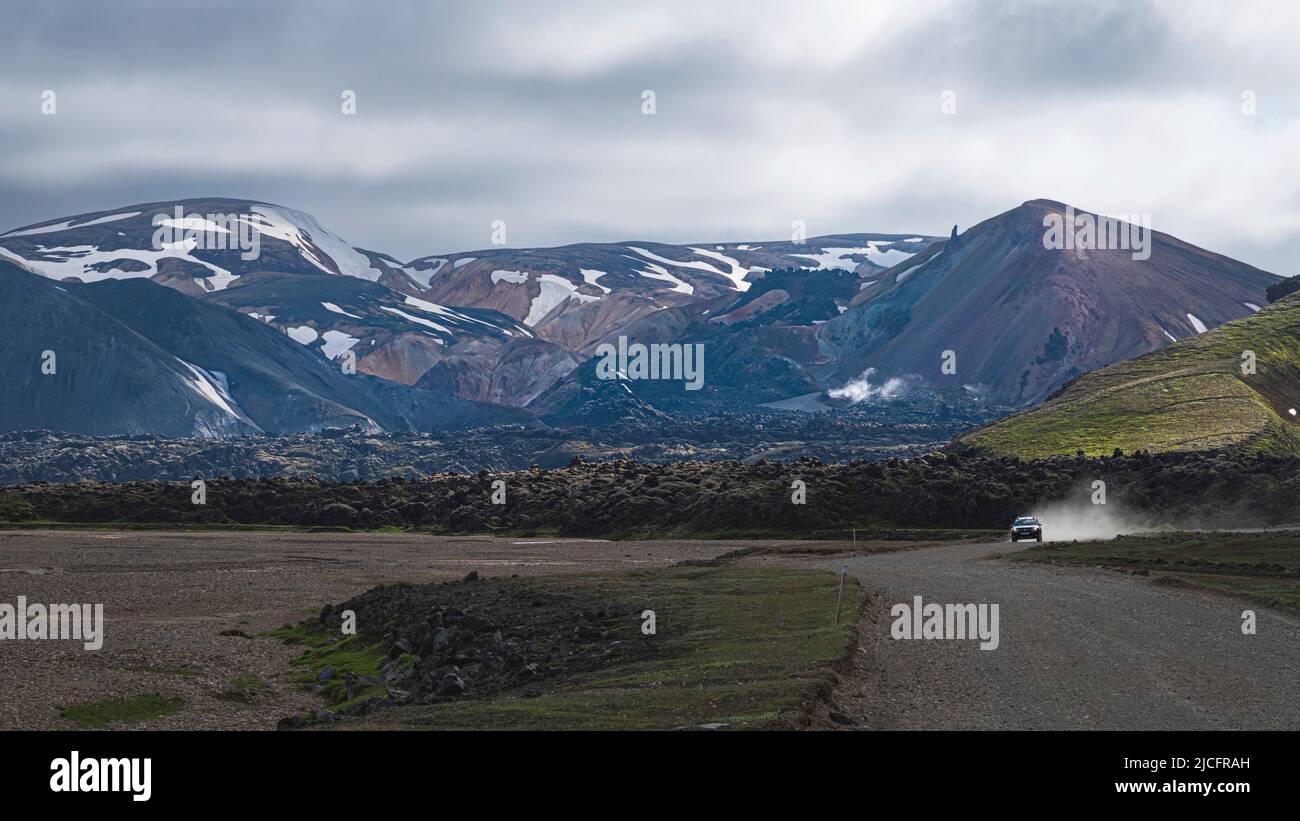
x=766 y=112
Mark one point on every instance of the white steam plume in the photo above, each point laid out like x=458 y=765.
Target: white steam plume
x=861 y=389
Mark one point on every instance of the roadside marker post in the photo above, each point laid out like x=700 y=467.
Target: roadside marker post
x=839 y=602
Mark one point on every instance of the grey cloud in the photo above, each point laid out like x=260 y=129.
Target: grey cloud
x=767 y=112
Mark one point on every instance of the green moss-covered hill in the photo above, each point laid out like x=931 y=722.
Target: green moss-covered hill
x=1190 y=396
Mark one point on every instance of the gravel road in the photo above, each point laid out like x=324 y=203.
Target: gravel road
x=1079 y=649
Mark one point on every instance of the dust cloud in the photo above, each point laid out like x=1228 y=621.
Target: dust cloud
x=1081 y=520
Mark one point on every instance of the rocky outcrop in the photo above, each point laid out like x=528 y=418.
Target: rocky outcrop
x=472 y=638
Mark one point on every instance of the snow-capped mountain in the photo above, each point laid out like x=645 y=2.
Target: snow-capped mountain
x=191 y=245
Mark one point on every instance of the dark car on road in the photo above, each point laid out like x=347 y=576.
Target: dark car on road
x=1026 y=527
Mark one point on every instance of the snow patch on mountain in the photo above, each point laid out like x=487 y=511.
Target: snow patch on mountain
x=553 y=291
x=434 y=308
x=590 y=275
x=659 y=272
x=336 y=342
x=736 y=276
x=207 y=386
x=513 y=277
x=66 y=224
x=330 y=306
x=303 y=334
x=192 y=223
x=323 y=249
x=451 y=313
x=831 y=258
x=80 y=261
x=419 y=320
x=1197 y=324
x=737 y=273
x=905 y=274
x=887 y=258
x=17 y=260
x=423 y=278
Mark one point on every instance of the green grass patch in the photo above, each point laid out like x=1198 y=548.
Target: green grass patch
x=99 y=714
x=740 y=645
x=245 y=690
x=346 y=654
x=166 y=527
x=1263 y=567
x=862 y=547
x=299 y=634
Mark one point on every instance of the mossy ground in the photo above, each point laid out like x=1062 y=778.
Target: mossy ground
x=350 y=654
x=245 y=689
x=1190 y=396
x=1262 y=567
x=123 y=711
x=739 y=645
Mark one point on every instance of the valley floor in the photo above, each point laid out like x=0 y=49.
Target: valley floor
x=1080 y=647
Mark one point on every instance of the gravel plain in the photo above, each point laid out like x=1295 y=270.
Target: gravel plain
x=167 y=596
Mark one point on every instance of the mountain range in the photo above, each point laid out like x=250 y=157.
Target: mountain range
x=237 y=344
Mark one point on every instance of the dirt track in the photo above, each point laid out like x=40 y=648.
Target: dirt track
x=1079 y=649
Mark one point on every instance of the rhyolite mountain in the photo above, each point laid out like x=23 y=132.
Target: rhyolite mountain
x=577 y=294
x=1022 y=318
x=1236 y=387
x=759 y=346
x=781 y=322
x=391 y=334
